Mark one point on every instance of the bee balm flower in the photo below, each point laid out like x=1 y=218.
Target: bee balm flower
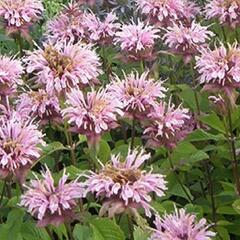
x=92 y=114
x=52 y=204
x=219 y=69
x=137 y=41
x=20 y=142
x=227 y=11
x=138 y=94
x=10 y=75
x=67 y=26
x=61 y=67
x=181 y=225
x=123 y=185
x=19 y=15
x=167 y=126
x=186 y=40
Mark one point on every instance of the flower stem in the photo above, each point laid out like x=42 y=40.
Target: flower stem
x=130 y=227
x=133 y=132
x=142 y=67
x=69 y=229
x=178 y=178
x=3 y=191
x=233 y=151
x=20 y=44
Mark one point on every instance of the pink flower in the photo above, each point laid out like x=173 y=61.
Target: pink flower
x=99 y=31
x=52 y=204
x=181 y=225
x=10 y=75
x=167 y=125
x=123 y=185
x=227 y=11
x=67 y=26
x=61 y=67
x=138 y=94
x=165 y=12
x=39 y=104
x=20 y=142
x=219 y=69
x=186 y=40
x=92 y=114
x=19 y=15
x=137 y=41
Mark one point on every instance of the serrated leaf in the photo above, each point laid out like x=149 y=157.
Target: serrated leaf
x=213 y=121
x=81 y=232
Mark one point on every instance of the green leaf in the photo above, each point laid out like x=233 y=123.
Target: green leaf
x=236 y=206
x=213 y=121
x=81 y=232
x=201 y=135
x=106 y=229
x=139 y=234
x=104 y=151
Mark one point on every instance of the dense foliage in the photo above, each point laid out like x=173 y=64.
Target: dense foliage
x=119 y=119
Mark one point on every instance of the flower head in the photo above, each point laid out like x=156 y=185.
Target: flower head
x=181 y=225
x=67 y=26
x=227 y=11
x=167 y=125
x=39 y=104
x=61 y=67
x=219 y=68
x=99 y=31
x=123 y=185
x=92 y=114
x=19 y=15
x=165 y=12
x=186 y=40
x=138 y=94
x=49 y=203
x=10 y=75
x=20 y=142
x=137 y=40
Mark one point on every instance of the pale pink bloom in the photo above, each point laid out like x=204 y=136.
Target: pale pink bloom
x=67 y=26
x=101 y=32
x=10 y=75
x=123 y=185
x=137 y=40
x=167 y=125
x=19 y=15
x=39 y=104
x=138 y=94
x=181 y=225
x=186 y=39
x=49 y=203
x=226 y=11
x=20 y=142
x=61 y=67
x=92 y=114
x=219 y=69
x=165 y=12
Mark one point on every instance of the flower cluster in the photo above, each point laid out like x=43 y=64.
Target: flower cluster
x=137 y=40
x=219 y=68
x=99 y=31
x=92 y=114
x=67 y=26
x=165 y=12
x=39 y=104
x=10 y=75
x=52 y=204
x=227 y=11
x=62 y=66
x=167 y=125
x=187 y=40
x=20 y=142
x=19 y=15
x=138 y=94
x=181 y=225
x=123 y=185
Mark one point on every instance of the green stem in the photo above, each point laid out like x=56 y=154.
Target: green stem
x=20 y=44
x=3 y=191
x=142 y=67
x=69 y=229
x=133 y=132
x=178 y=178
x=233 y=151
x=224 y=34
x=130 y=227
